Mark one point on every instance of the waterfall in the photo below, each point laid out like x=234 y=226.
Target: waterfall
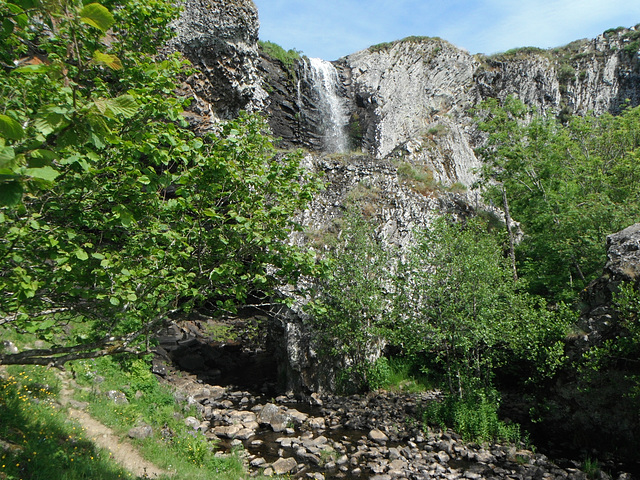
x=334 y=116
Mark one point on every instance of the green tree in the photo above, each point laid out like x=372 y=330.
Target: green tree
x=113 y=214
x=459 y=304
x=350 y=306
x=568 y=185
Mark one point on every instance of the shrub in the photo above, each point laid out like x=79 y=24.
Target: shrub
x=287 y=57
x=474 y=417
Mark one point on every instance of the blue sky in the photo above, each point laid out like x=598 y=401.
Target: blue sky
x=330 y=29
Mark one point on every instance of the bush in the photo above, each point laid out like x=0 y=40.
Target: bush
x=475 y=417
x=287 y=57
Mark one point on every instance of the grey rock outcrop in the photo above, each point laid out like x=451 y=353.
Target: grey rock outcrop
x=404 y=86
x=220 y=38
x=412 y=98
x=599 y=319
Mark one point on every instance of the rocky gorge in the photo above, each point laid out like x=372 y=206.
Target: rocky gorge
x=378 y=435
x=365 y=120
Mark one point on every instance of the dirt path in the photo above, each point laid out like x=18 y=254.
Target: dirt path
x=122 y=451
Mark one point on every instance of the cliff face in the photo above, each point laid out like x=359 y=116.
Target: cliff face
x=407 y=115
x=411 y=98
x=220 y=38
x=407 y=99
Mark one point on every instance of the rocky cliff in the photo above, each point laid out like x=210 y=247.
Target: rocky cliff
x=411 y=98
x=407 y=99
x=220 y=38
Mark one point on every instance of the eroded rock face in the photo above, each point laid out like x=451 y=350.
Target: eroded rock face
x=412 y=98
x=220 y=38
x=404 y=87
x=599 y=319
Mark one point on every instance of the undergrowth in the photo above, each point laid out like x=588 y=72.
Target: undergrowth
x=397 y=374
x=474 y=417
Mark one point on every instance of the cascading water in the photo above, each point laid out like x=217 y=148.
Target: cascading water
x=323 y=78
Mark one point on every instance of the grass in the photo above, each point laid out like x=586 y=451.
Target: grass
x=474 y=417
x=37 y=441
x=412 y=39
x=592 y=468
x=287 y=57
x=173 y=446
x=398 y=375
x=417 y=177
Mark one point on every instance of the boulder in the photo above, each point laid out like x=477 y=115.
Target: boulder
x=378 y=436
x=283 y=466
x=273 y=416
x=141 y=432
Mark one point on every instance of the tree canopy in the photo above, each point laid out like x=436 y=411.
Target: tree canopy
x=113 y=214
x=569 y=185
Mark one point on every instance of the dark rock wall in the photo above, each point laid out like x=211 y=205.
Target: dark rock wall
x=220 y=38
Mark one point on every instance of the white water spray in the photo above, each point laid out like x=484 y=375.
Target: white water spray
x=324 y=78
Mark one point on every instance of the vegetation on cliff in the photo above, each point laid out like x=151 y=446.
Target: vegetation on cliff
x=568 y=185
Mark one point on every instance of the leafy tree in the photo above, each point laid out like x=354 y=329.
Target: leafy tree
x=569 y=186
x=113 y=214
x=350 y=306
x=460 y=304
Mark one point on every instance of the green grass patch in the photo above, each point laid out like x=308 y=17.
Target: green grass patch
x=287 y=57
x=412 y=39
x=417 y=177
x=37 y=441
x=397 y=374
x=173 y=445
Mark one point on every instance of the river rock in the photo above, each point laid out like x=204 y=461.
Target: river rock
x=284 y=465
x=378 y=436
x=274 y=417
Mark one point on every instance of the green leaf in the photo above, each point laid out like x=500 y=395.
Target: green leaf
x=7 y=27
x=114 y=301
x=45 y=173
x=7 y=156
x=26 y=3
x=22 y=20
x=81 y=254
x=49 y=122
x=110 y=61
x=97 y=16
x=11 y=129
x=124 y=105
x=15 y=9
x=40 y=158
x=39 y=68
x=10 y=193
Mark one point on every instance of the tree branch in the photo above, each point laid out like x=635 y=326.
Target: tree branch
x=58 y=356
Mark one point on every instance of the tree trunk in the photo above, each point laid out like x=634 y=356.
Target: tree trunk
x=507 y=219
